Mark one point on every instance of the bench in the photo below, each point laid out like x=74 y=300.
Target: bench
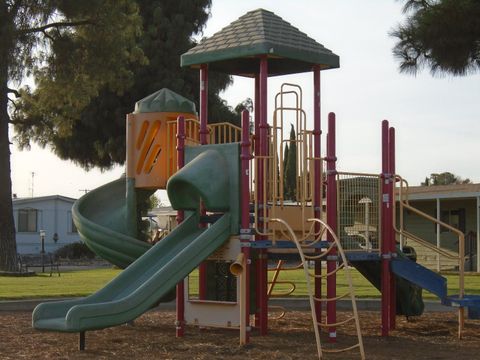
x=47 y=260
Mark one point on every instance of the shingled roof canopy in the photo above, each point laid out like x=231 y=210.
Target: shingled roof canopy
x=236 y=48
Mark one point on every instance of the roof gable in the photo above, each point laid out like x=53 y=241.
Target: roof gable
x=235 y=49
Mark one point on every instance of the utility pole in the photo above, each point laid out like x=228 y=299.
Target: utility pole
x=84 y=190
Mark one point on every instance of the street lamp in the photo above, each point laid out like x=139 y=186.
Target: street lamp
x=42 y=251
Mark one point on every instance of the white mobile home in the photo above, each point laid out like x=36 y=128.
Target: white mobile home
x=53 y=214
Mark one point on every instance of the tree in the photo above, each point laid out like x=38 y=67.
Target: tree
x=445 y=178
x=83 y=45
x=97 y=135
x=290 y=171
x=443 y=35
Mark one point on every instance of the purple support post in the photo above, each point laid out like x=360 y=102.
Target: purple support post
x=332 y=222
x=245 y=232
x=180 y=301
x=202 y=269
x=262 y=298
x=318 y=183
x=385 y=245
x=393 y=250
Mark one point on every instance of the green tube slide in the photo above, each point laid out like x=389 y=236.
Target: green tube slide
x=106 y=220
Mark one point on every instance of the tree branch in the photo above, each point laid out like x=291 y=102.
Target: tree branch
x=14 y=92
x=57 y=25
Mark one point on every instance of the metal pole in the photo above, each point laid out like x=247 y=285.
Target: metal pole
x=332 y=222
x=202 y=269
x=245 y=232
x=317 y=193
x=262 y=311
x=180 y=302
x=385 y=275
x=391 y=232
x=42 y=251
x=478 y=233
x=438 y=233
x=203 y=104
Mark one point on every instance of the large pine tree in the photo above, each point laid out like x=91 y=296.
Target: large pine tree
x=443 y=35
x=83 y=45
x=97 y=135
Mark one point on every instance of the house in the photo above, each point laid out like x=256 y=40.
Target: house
x=52 y=214
x=457 y=205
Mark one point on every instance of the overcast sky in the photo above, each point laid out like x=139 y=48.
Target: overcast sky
x=436 y=118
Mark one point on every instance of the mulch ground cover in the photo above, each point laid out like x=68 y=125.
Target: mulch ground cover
x=432 y=336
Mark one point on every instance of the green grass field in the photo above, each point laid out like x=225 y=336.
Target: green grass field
x=82 y=283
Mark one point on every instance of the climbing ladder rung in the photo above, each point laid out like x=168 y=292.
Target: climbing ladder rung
x=337 y=323
x=321 y=276
x=332 y=299
x=341 y=350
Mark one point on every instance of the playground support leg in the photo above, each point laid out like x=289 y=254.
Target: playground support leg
x=332 y=222
x=317 y=132
x=245 y=235
x=202 y=270
x=262 y=310
x=180 y=301
x=81 y=341
x=385 y=245
x=393 y=250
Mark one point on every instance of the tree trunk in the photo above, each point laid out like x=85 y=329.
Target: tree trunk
x=8 y=245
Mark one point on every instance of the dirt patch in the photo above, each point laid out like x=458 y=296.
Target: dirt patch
x=432 y=336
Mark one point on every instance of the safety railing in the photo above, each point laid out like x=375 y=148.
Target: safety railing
x=269 y=196
x=219 y=133
x=303 y=248
x=359 y=215
x=404 y=235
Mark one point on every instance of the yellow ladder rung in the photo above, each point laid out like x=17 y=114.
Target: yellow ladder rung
x=332 y=299
x=337 y=323
x=331 y=351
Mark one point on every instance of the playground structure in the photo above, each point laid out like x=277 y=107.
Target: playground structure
x=228 y=187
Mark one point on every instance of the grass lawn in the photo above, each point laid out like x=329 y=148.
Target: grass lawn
x=82 y=283
x=69 y=284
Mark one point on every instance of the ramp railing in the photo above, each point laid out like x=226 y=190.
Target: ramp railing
x=405 y=235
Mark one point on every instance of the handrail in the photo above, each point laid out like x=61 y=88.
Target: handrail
x=404 y=204
x=461 y=236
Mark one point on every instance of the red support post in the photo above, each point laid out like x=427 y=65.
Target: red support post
x=332 y=222
x=256 y=109
x=180 y=301
x=203 y=104
x=262 y=282
x=245 y=232
x=385 y=245
x=317 y=200
x=202 y=269
x=393 y=250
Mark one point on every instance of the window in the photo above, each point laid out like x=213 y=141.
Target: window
x=455 y=218
x=27 y=220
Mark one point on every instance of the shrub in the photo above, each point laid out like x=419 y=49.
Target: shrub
x=77 y=250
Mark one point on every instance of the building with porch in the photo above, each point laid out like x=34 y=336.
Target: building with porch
x=457 y=205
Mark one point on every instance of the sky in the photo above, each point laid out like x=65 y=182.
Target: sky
x=436 y=118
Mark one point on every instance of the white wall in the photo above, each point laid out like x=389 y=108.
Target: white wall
x=54 y=216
